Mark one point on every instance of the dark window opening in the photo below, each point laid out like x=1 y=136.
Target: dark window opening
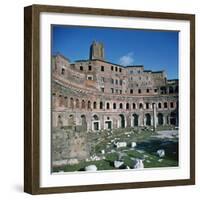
x=107 y=105
x=63 y=71
x=127 y=106
x=89 y=105
x=95 y=105
x=101 y=105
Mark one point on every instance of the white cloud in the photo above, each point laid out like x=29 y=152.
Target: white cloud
x=127 y=59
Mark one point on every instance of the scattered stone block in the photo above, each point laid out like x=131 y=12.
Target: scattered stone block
x=117 y=164
x=138 y=164
x=91 y=168
x=73 y=161
x=121 y=144
x=161 y=153
x=133 y=144
x=103 y=151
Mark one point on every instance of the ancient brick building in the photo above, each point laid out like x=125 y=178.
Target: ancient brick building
x=96 y=94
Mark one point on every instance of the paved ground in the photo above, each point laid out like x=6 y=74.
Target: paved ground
x=170 y=134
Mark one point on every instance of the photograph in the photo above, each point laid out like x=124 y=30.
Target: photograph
x=114 y=99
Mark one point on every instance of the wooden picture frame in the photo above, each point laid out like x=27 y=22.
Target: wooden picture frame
x=32 y=93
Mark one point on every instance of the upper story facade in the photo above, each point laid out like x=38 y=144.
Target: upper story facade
x=100 y=76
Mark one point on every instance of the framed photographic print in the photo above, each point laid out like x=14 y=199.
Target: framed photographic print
x=109 y=99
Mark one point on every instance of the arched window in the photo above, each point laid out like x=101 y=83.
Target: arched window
x=60 y=100
x=131 y=91
x=114 y=105
x=71 y=102
x=107 y=106
x=139 y=91
x=77 y=103
x=66 y=102
x=165 y=105
x=89 y=105
x=147 y=105
x=60 y=121
x=101 y=105
x=134 y=106
x=140 y=105
x=83 y=104
x=121 y=106
x=171 y=104
x=127 y=106
x=94 y=105
x=95 y=117
x=159 y=105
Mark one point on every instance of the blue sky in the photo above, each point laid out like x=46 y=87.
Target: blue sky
x=156 y=50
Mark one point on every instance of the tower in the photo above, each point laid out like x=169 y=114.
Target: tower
x=97 y=51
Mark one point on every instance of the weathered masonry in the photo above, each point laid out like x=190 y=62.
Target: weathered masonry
x=95 y=94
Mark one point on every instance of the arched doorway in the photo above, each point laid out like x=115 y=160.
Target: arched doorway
x=135 y=120
x=160 y=119
x=95 y=123
x=60 y=121
x=83 y=122
x=148 y=119
x=122 y=121
x=173 y=118
x=71 y=121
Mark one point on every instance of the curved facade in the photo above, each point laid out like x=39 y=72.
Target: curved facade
x=95 y=94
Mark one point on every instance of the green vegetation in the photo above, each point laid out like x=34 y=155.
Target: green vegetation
x=146 y=149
